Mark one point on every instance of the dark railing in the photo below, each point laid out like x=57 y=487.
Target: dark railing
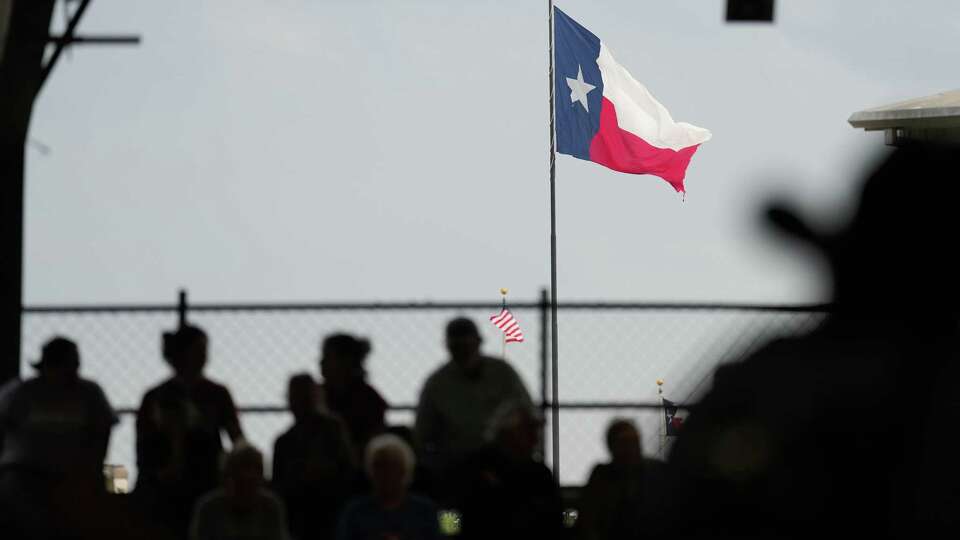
x=609 y=353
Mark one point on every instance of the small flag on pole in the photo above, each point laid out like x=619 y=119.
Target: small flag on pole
x=506 y=322
x=672 y=422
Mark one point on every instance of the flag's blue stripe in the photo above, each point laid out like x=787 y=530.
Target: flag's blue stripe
x=575 y=48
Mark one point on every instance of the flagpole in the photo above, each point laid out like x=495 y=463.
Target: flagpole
x=503 y=336
x=555 y=401
x=663 y=419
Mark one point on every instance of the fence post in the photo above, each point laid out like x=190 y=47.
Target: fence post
x=544 y=364
x=182 y=308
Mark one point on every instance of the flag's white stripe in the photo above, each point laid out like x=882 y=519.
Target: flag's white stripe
x=639 y=112
x=506 y=322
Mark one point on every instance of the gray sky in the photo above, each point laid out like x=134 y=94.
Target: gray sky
x=397 y=150
x=361 y=149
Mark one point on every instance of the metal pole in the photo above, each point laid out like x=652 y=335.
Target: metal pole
x=503 y=336
x=27 y=23
x=67 y=36
x=182 y=308
x=555 y=398
x=544 y=361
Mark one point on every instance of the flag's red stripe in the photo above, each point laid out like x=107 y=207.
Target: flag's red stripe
x=623 y=151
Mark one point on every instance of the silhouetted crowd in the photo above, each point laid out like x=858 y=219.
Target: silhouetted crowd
x=847 y=431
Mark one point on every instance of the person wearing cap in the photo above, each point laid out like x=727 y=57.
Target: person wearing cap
x=56 y=422
x=54 y=429
x=503 y=489
x=458 y=399
x=851 y=428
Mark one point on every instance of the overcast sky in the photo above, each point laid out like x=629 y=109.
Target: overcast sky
x=373 y=149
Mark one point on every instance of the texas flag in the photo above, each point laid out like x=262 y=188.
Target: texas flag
x=606 y=116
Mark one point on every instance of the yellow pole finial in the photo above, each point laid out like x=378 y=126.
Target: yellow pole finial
x=504 y=291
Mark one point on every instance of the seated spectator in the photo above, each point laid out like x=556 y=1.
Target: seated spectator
x=423 y=481
x=613 y=501
x=459 y=398
x=504 y=492
x=348 y=395
x=179 y=427
x=390 y=512
x=242 y=508
x=55 y=429
x=312 y=463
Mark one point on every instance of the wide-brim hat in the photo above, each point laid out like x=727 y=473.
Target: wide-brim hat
x=910 y=198
x=898 y=247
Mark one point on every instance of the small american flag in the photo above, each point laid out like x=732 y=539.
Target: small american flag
x=511 y=328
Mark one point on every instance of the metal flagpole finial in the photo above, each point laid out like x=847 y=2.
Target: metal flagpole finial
x=504 y=291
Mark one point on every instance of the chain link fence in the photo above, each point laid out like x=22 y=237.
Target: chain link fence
x=611 y=356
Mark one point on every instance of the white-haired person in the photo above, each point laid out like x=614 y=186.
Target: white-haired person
x=390 y=511
x=504 y=489
x=242 y=507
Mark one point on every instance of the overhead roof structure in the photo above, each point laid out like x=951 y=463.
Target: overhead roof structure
x=5 y=6
x=928 y=118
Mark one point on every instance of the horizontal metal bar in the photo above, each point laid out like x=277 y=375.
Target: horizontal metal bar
x=106 y=308
x=426 y=306
x=128 y=39
x=569 y=405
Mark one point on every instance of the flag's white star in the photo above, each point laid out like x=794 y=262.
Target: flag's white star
x=579 y=89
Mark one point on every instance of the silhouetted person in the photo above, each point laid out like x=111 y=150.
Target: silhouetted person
x=458 y=400
x=243 y=509
x=179 y=428
x=503 y=490
x=850 y=429
x=347 y=392
x=614 y=501
x=55 y=430
x=312 y=463
x=391 y=511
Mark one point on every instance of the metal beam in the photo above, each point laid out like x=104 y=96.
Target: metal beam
x=68 y=35
x=126 y=39
x=20 y=70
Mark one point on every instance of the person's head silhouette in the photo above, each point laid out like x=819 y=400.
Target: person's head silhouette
x=342 y=360
x=623 y=442
x=303 y=396
x=186 y=351
x=390 y=464
x=59 y=361
x=515 y=429
x=463 y=342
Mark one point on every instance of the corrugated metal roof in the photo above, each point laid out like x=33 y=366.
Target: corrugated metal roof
x=934 y=112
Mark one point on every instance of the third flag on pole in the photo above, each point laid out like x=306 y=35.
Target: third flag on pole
x=672 y=422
